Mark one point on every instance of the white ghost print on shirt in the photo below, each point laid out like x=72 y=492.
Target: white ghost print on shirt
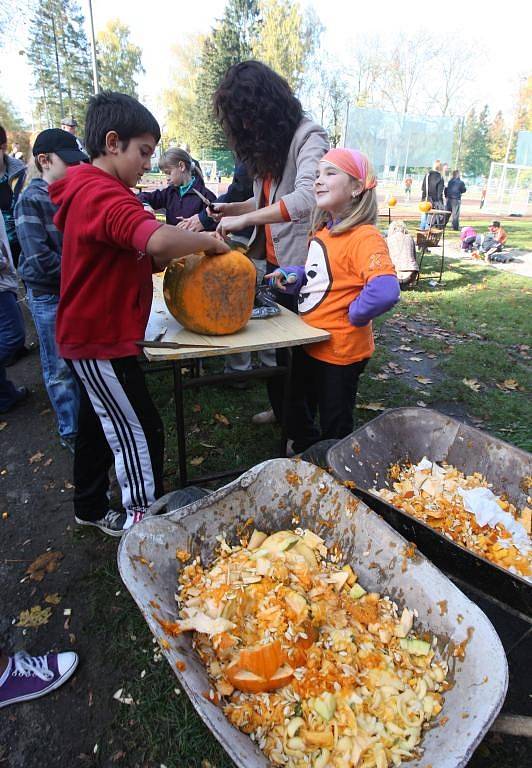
x=319 y=277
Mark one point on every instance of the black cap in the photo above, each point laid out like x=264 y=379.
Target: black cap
x=70 y=121
x=60 y=142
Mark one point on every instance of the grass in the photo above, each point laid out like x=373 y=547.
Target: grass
x=486 y=312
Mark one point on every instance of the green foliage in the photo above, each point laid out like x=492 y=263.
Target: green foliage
x=283 y=40
x=119 y=60
x=58 y=52
x=8 y=116
x=180 y=100
x=228 y=43
x=498 y=138
x=475 y=144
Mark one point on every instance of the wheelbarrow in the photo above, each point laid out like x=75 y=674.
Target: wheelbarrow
x=271 y=493
x=408 y=434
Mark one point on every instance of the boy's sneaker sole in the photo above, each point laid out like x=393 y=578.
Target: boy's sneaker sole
x=105 y=525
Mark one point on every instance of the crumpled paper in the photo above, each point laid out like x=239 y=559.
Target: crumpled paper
x=482 y=503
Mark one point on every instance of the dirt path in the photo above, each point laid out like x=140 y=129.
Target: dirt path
x=62 y=728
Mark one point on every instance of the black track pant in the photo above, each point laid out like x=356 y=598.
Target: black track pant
x=119 y=423
x=325 y=388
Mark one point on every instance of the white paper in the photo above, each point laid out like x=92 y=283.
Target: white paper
x=482 y=503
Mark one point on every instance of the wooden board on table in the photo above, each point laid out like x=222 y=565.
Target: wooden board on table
x=284 y=330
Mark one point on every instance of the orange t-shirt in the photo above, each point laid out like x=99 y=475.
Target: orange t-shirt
x=270 y=250
x=337 y=268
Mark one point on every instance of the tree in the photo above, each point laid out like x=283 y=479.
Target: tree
x=8 y=116
x=119 y=60
x=476 y=144
x=498 y=138
x=453 y=69
x=58 y=53
x=365 y=71
x=402 y=81
x=179 y=101
x=229 y=42
x=283 y=39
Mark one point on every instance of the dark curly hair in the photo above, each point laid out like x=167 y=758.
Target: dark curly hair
x=259 y=115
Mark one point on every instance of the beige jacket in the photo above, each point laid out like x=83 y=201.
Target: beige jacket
x=295 y=188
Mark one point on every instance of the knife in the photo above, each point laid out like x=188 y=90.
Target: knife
x=178 y=345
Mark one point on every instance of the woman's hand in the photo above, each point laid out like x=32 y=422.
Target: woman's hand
x=232 y=224
x=193 y=224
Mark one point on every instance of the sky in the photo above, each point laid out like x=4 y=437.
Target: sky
x=501 y=39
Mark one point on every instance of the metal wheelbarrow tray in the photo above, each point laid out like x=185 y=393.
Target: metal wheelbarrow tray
x=270 y=494
x=408 y=434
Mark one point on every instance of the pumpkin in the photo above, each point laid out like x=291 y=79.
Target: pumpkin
x=392 y=201
x=425 y=206
x=262 y=660
x=212 y=295
x=248 y=682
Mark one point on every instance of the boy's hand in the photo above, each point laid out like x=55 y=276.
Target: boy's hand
x=193 y=224
x=219 y=245
x=232 y=224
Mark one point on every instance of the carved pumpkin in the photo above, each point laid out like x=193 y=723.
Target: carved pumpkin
x=392 y=201
x=248 y=682
x=425 y=207
x=212 y=295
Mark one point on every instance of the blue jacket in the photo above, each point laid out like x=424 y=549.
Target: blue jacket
x=238 y=191
x=40 y=240
x=455 y=189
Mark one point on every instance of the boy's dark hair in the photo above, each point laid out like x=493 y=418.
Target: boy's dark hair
x=496 y=224
x=3 y=135
x=111 y=111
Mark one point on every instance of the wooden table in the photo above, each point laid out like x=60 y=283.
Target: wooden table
x=283 y=331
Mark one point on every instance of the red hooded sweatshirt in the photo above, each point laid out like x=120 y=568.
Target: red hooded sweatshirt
x=106 y=285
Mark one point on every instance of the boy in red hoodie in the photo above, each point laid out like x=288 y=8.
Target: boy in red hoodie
x=111 y=246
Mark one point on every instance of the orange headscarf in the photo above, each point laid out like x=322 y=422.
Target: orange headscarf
x=354 y=162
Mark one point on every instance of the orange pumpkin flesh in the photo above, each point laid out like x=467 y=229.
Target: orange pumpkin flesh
x=248 y=682
x=212 y=295
x=262 y=660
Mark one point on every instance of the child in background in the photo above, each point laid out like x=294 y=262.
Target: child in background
x=468 y=236
x=348 y=280
x=40 y=269
x=179 y=199
x=111 y=246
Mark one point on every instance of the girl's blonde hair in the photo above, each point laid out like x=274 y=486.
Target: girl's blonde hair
x=173 y=156
x=363 y=210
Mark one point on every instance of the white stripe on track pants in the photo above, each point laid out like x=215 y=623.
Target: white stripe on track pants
x=117 y=422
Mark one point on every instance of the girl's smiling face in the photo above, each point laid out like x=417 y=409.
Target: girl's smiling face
x=334 y=189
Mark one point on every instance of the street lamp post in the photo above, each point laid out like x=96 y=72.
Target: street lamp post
x=94 y=60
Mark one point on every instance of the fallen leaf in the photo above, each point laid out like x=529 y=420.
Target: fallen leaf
x=421 y=404
x=221 y=419
x=472 y=384
x=508 y=384
x=197 y=460
x=382 y=376
x=415 y=359
x=117 y=695
x=404 y=348
x=207 y=445
x=48 y=462
x=53 y=599
x=35 y=617
x=117 y=756
x=45 y=563
x=372 y=406
x=423 y=380
x=3 y=424
x=36 y=457
x=196 y=407
x=67 y=485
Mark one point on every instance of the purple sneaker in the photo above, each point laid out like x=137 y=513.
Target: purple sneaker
x=28 y=677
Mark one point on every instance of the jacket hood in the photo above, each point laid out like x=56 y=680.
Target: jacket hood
x=14 y=167
x=64 y=191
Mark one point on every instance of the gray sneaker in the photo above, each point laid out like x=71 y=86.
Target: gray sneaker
x=114 y=523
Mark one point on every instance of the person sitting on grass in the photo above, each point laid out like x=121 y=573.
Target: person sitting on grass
x=111 y=246
x=179 y=198
x=39 y=267
x=468 y=236
x=493 y=241
x=24 y=677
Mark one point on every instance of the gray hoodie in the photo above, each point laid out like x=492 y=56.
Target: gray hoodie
x=8 y=276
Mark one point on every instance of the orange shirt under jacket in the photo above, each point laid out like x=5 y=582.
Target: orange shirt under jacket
x=337 y=268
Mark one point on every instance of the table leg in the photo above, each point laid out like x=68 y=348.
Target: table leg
x=286 y=401
x=180 y=423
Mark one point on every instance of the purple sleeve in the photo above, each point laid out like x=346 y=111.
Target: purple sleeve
x=301 y=279
x=378 y=296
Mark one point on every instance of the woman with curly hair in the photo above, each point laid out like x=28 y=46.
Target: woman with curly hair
x=266 y=127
